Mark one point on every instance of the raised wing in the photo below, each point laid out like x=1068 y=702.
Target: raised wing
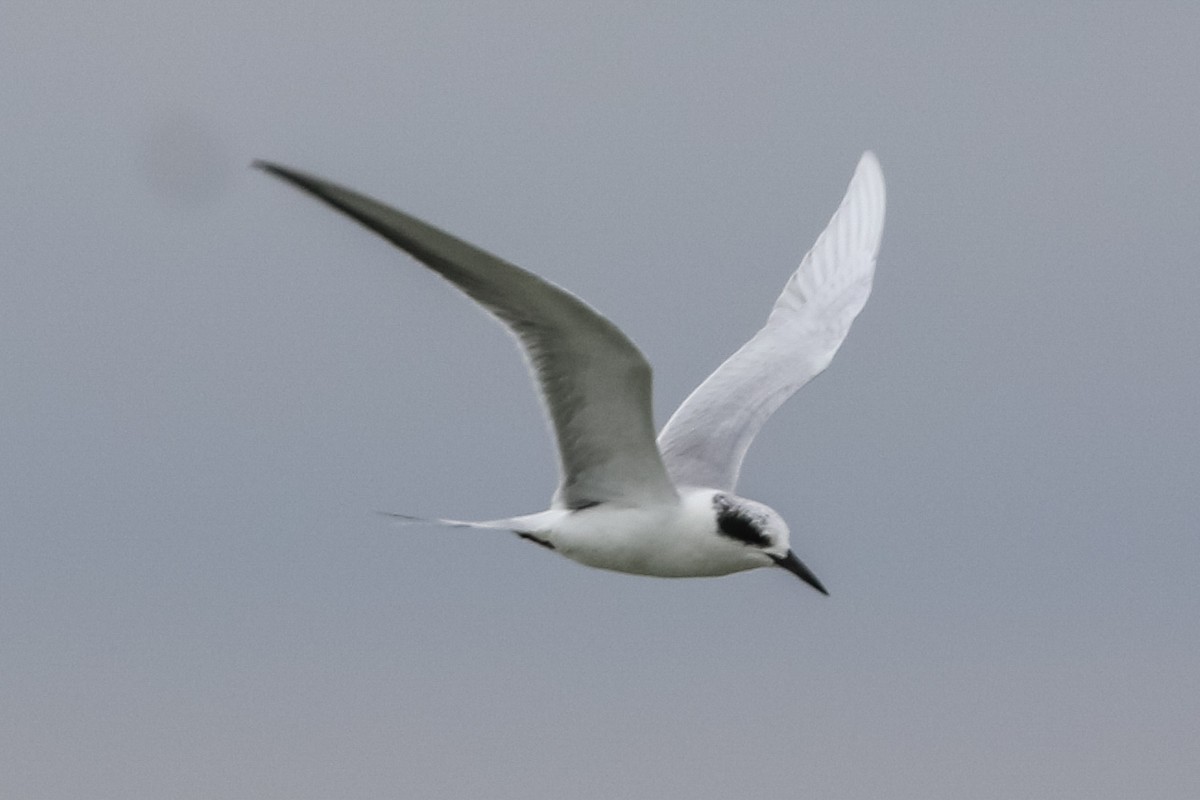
x=594 y=382
x=704 y=442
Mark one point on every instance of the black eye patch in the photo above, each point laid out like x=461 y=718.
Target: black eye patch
x=737 y=525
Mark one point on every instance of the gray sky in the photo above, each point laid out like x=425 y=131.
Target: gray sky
x=210 y=383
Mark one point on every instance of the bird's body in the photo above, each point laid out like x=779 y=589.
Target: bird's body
x=625 y=501
x=669 y=540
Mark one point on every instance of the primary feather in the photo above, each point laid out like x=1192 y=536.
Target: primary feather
x=594 y=382
x=704 y=442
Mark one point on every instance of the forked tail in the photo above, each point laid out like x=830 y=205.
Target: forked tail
x=490 y=524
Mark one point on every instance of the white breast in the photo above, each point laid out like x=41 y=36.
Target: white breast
x=667 y=540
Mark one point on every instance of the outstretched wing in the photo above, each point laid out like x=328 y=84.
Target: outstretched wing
x=594 y=382
x=704 y=442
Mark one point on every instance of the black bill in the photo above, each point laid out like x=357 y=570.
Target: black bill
x=797 y=568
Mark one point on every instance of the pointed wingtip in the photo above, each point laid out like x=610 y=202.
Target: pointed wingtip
x=868 y=192
x=272 y=168
x=868 y=164
x=322 y=189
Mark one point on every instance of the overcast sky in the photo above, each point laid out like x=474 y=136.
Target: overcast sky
x=209 y=383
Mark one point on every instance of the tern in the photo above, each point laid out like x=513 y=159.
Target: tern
x=627 y=501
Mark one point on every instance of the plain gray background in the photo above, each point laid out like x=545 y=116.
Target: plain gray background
x=209 y=383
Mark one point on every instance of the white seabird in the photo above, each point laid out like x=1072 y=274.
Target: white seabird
x=625 y=501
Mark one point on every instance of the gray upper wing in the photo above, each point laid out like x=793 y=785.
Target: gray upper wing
x=704 y=442
x=594 y=382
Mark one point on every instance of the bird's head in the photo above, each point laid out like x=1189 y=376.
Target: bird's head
x=760 y=527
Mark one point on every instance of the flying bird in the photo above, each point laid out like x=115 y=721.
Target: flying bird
x=626 y=501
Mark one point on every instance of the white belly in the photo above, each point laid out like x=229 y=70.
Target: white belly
x=670 y=541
